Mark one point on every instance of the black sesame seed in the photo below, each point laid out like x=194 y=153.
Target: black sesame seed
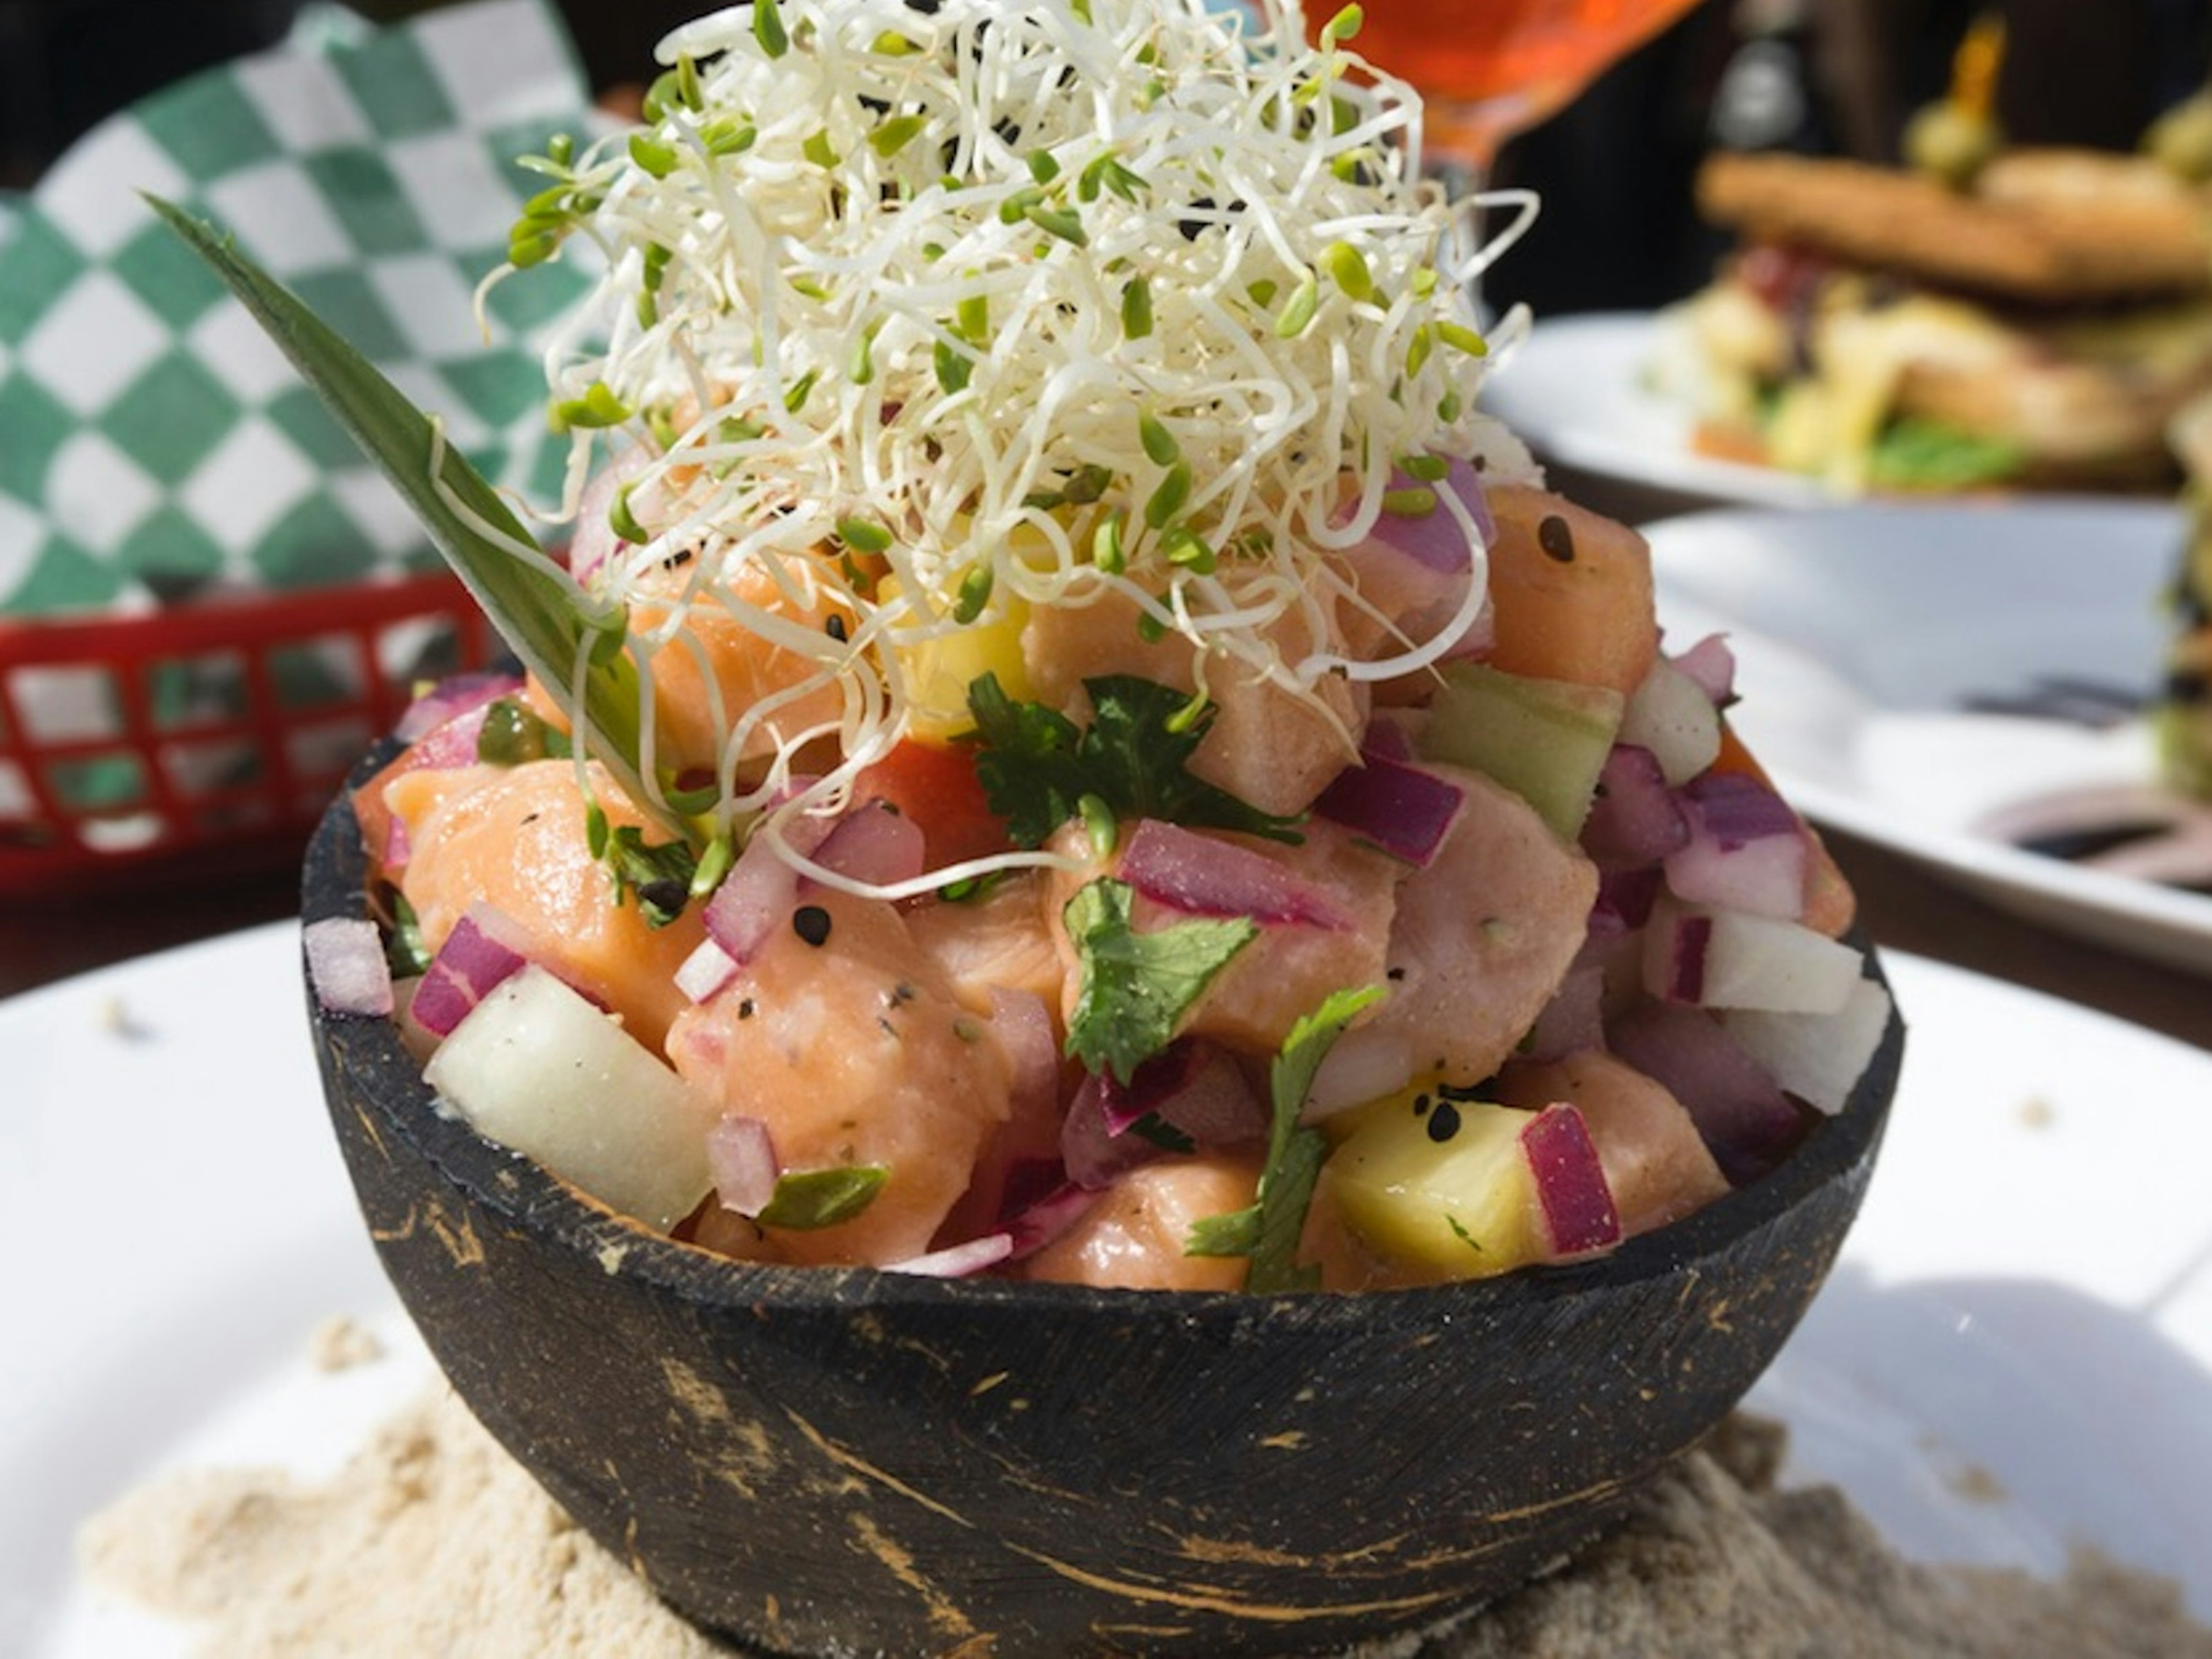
x=1421 y=1104
x=836 y=627
x=1394 y=974
x=1557 y=538
x=811 y=923
x=1443 y=1122
x=745 y=1009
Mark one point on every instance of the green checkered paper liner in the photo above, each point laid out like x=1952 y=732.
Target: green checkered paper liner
x=153 y=445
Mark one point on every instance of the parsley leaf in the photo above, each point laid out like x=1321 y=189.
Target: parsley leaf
x=659 y=875
x=1036 y=765
x=1136 y=986
x=1268 y=1230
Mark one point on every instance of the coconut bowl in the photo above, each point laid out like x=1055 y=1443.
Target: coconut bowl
x=827 y=1461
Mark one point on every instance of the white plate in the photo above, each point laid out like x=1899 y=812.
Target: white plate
x=2011 y=1359
x=1575 y=392
x=1860 y=635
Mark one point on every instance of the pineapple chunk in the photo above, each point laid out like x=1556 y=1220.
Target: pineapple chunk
x=1438 y=1184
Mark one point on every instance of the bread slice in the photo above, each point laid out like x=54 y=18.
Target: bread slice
x=2045 y=227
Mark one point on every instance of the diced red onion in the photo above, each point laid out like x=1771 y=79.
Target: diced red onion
x=452 y=744
x=958 y=1260
x=1405 y=811
x=874 y=843
x=759 y=894
x=398 y=844
x=742 y=1160
x=1634 y=820
x=1203 y=875
x=1192 y=1089
x=1745 y=1120
x=1711 y=664
x=1574 y=1203
x=1386 y=738
x=705 y=971
x=1745 y=848
x=1625 y=898
x=1045 y=1217
x=346 y=966
x=459 y=693
x=482 y=951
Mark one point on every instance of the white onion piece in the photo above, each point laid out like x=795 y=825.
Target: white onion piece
x=1575 y=1209
x=1362 y=1065
x=706 y=971
x=741 y=1158
x=1670 y=714
x=958 y=1260
x=1201 y=875
x=1728 y=959
x=1819 y=1058
x=1711 y=664
x=346 y=966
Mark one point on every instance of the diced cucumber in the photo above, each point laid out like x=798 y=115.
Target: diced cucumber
x=535 y=1066
x=1545 y=740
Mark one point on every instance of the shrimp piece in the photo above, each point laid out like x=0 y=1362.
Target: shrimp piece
x=1266 y=745
x=855 y=1051
x=1135 y=1235
x=514 y=838
x=1483 y=935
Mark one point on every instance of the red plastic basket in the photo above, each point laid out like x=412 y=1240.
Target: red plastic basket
x=204 y=740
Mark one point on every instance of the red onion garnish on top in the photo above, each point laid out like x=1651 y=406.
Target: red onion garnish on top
x=1203 y=876
x=1406 y=812
x=484 y=948
x=1434 y=540
x=346 y=966
x=741 y=1158
x=457 y=695
x=1711 y=664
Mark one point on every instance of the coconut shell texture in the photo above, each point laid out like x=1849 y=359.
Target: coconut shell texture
x=828 y=1461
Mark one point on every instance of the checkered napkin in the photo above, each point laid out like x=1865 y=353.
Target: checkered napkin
x=153 y=444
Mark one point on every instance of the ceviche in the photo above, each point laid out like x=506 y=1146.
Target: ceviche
x=1060 y=742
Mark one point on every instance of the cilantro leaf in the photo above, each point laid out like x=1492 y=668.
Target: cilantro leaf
x=1036 y=765
x=1267 y=1231
x=660 y=875
x=1136 y=986
x=806 y=1199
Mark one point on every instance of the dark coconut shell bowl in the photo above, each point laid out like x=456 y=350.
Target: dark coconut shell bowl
x=834 y=1461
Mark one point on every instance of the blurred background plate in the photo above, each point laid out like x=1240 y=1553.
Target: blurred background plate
x=1893 y=658
x=1576 y=390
